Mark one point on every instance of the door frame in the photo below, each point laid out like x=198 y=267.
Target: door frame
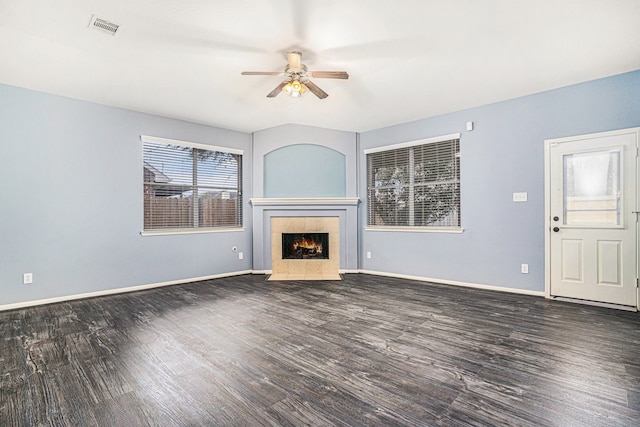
x=548 y=143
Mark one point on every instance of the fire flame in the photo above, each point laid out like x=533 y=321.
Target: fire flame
x=308 y=244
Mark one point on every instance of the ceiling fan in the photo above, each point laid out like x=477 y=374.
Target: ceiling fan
x=297 y=76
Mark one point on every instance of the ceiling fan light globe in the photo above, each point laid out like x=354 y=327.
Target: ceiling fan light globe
x=295 y=89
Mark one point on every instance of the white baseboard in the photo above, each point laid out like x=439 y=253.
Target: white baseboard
x=240 y=273
x=117 y=291
x=456 y=283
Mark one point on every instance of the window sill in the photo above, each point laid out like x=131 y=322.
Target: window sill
x=451 y=230
x=170 y=232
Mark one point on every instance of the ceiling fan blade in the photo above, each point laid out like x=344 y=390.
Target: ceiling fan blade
x=315 y=89
x=329 y=74
x=294 y=59
x=262 y=73
x=277 y=90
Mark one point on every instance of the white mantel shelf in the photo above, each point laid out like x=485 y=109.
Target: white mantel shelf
x=324 y=201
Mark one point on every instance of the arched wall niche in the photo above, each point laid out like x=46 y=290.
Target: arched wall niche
x=304 y=171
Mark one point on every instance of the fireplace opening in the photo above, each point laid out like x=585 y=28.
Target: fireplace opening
x=305 y=245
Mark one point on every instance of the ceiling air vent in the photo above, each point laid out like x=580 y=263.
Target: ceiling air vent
x=103 y=25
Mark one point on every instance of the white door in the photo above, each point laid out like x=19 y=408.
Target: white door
x=592 y=199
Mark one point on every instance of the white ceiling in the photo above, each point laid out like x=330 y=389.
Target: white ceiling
x=407 y=59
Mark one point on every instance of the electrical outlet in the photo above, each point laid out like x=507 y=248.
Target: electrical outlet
x=27 y=278
x=368 y=255
x=240 y=255
x=524 y=268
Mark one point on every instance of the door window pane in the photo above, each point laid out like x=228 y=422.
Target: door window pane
x=592 y=188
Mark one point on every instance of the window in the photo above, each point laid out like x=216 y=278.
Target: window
x=415 y=184
x=190 y=187
x=592 y=188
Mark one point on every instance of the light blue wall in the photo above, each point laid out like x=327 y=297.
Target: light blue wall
x=71 y=200
x=304 y=170
x=502 y=155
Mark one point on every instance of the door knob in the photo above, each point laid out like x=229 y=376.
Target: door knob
x=556 y=229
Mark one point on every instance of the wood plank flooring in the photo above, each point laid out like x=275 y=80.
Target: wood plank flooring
x=367 y=350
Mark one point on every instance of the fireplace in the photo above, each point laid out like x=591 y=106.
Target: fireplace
x=300 y=248
x=305 y=245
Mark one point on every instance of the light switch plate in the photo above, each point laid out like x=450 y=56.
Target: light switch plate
x=520 y=197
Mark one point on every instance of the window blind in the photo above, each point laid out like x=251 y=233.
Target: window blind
x=415 y=185
x=186 y=187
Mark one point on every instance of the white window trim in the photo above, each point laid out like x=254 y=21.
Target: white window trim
x=177 y=231
x=413 y=229
x=171 y=232
x=413 y=143
x=421 y=229
x=158 y=140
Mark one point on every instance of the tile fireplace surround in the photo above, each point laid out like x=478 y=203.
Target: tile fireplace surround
x=343 y=210
x=305 y=269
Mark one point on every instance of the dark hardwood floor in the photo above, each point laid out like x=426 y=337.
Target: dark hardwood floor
x=364 y=351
